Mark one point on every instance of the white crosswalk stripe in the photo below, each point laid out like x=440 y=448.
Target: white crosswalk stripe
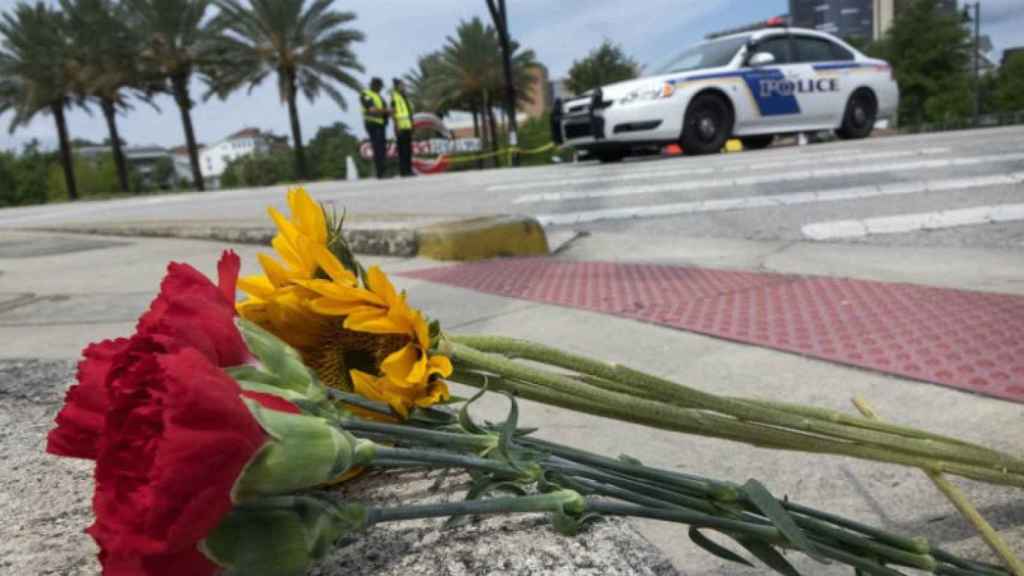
x=765 y=201
x=903 y=223
x=788 y=176
x=648 y=174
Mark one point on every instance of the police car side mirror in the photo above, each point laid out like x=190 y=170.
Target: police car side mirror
x=762 y=59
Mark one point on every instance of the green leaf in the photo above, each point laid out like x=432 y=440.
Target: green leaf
x=763 y=500
x=465 y=420
x=715 y=548
x=769 y=555
x=571 y=525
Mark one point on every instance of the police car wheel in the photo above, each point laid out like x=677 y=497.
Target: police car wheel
x=859 y=119
x=707 y=126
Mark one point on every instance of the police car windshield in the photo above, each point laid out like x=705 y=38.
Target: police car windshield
x=706 y=55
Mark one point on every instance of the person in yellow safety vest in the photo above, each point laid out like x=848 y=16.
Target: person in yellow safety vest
x=375 y=119
x=403 y=127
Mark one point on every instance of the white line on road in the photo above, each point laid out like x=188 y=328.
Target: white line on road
x=777 y=200
x=680 y=171
x=770 y=178
x=904 y=223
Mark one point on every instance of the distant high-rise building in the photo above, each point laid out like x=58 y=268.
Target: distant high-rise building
x=852 y=18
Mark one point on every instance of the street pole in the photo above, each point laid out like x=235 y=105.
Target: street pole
x=500 y=16
x=977 y=63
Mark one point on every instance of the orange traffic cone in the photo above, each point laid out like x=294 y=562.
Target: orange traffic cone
x=672 y=150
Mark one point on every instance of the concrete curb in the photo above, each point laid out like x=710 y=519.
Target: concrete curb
x=469 y=239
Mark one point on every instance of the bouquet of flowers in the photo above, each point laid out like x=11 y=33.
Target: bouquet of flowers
x=218 y=429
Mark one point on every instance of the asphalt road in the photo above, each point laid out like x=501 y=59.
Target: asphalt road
x=956 y=189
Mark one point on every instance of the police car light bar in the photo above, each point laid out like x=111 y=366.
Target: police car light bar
x=773 y=22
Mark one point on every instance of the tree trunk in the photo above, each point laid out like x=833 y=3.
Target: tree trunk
x=489 y=112
x=110 y=113
x=293 y=115
x=180 y=85
x=476 y=134
x=65 y=150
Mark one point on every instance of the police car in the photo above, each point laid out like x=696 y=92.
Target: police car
x=752 y=85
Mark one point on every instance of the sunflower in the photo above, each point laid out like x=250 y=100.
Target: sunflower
x=405 y=376
x=362 y=339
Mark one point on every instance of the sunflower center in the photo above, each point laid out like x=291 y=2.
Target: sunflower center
x=341 y=350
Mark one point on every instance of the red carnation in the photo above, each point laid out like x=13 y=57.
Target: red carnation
x=189 y=311
x=177 y=438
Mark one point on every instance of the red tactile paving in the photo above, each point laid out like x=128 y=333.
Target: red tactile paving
x=968 y=340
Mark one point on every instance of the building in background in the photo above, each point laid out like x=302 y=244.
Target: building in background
x=142 y=160
x=215 y=158
x=867 y=19
x=1010 y=53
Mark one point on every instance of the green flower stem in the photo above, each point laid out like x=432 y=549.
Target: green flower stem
x=964 y=506
x=688 y=397
x=386 y=456
x=869 y=444
x=474 y=442
x=558 y=390
x=551 y=502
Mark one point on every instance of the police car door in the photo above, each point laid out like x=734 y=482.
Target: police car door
x=820 y=79
x=771 y=85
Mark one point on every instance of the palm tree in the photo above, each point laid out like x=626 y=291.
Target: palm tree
x=34 y=75
x=176 y=42
x=306 y=44
x=468 y=73
x=106 y=64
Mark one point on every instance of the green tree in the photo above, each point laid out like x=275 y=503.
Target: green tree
x=329 y=149
x=176 y=42
x=305 y=43
x=468 y=74
x=29 y=170
x=929 y=52
x=106 y=64
x=34 y=59
x=1009 y=91
x=606 y=64
x=95 y=178
x=259 y=170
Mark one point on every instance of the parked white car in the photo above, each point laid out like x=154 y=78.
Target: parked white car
x=751 y=85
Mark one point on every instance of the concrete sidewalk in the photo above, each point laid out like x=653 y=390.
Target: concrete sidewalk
x=58 y=292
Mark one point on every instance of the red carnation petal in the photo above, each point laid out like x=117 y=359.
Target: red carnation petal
x=272 y=402
x=80 y=421
x=191 y=309
x=176 y=440
x=227 y=274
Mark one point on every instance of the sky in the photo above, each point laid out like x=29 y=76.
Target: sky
x=397 y=31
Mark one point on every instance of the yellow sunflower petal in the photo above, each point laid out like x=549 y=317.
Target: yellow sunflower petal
x=379 y=283
x=405 y=366
x=441 y=365
x=256 y=285
x=374 y=321
x=276 y=273
x=284 y=226
x=288 y=253
x=309 y=215
x=438 y=392
x=332 y=266
x=332 y=307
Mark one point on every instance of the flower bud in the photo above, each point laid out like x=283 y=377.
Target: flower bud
x=303 y=451
x=280 y=536
x=282 y=364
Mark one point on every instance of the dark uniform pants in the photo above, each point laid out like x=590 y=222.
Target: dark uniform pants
x=378 y=139
x=405 y=152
